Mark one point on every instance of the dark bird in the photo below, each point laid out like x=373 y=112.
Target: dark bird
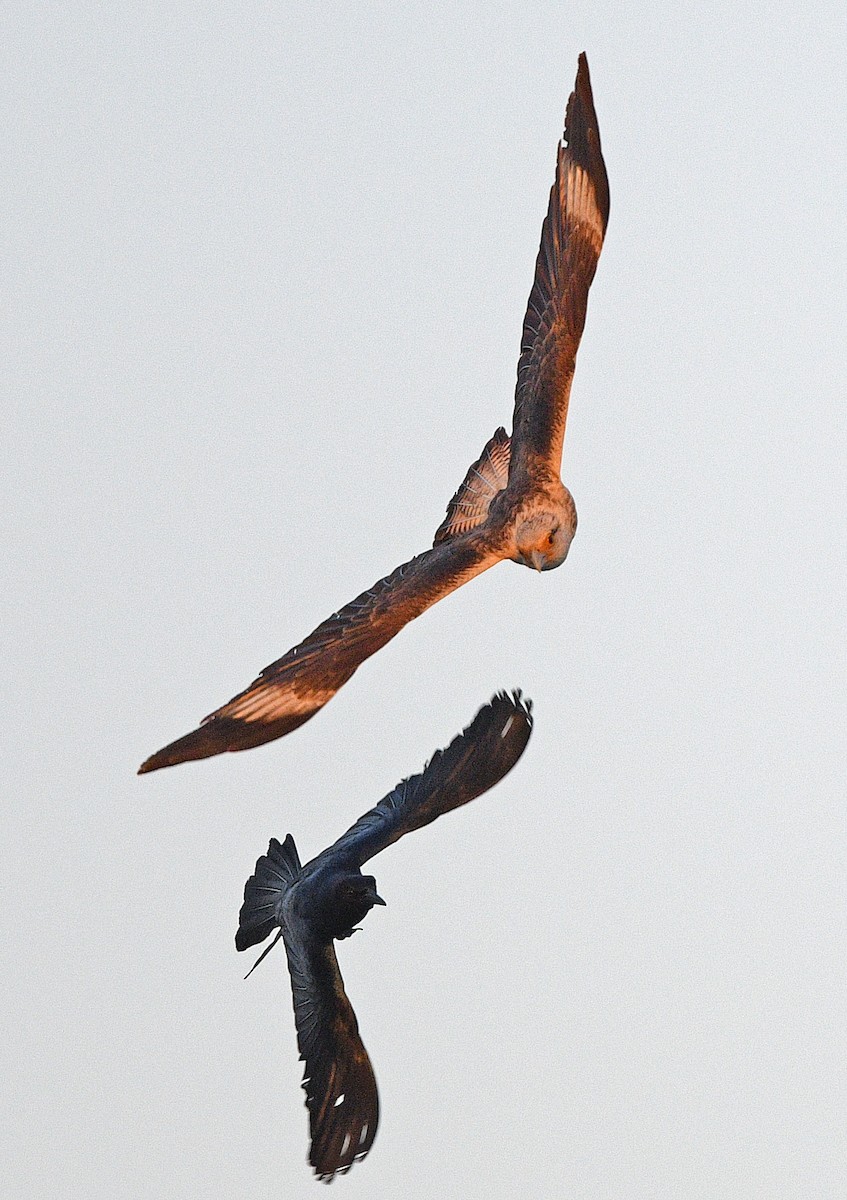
x=314 y=904
x=512 y=503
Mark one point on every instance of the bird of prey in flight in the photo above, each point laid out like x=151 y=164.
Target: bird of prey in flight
x=312 y=905
x=511 y=505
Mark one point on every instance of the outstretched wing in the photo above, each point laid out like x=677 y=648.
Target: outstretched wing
x=472 y=763
x=338 y=1079
x=295 y=687
x=571 y=240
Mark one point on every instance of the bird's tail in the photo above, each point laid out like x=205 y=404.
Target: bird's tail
x=263 y=892
x=485 y=478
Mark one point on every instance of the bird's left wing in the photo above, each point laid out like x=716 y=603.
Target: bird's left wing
x=571 y=240
x=296 y=686
x=472 y=763
x=338 y=1079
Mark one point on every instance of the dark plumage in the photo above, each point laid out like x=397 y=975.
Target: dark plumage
x=512 y=503
x=324 y=900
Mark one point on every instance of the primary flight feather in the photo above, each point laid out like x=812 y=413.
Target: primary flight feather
x=512 y=503
x=313 y=905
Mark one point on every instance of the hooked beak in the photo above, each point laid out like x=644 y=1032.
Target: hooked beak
x=537 y=560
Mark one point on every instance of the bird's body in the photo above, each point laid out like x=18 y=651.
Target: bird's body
x=512 y=503
x=314 y=905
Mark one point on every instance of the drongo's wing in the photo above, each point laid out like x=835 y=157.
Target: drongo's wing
x=338 y=1079
x=571 y=240
x=472 y=763
x=295 y=687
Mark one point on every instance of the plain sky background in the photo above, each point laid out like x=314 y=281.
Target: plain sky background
x=264 y=271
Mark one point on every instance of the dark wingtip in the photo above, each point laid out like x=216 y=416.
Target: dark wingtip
x=219 y=735
x=504 y=726
x=515 y=700
x=580 y=111
x=582 y=135
x=203 y=742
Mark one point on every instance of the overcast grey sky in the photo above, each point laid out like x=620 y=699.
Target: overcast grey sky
x=264 y=273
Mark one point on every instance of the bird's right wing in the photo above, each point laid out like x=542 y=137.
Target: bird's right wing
x=338 y=1079
x=296 y=686
x=571 y=240
x=472 y=763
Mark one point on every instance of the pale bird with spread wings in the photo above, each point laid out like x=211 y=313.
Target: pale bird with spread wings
x=324 y=900
x=512 y=503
